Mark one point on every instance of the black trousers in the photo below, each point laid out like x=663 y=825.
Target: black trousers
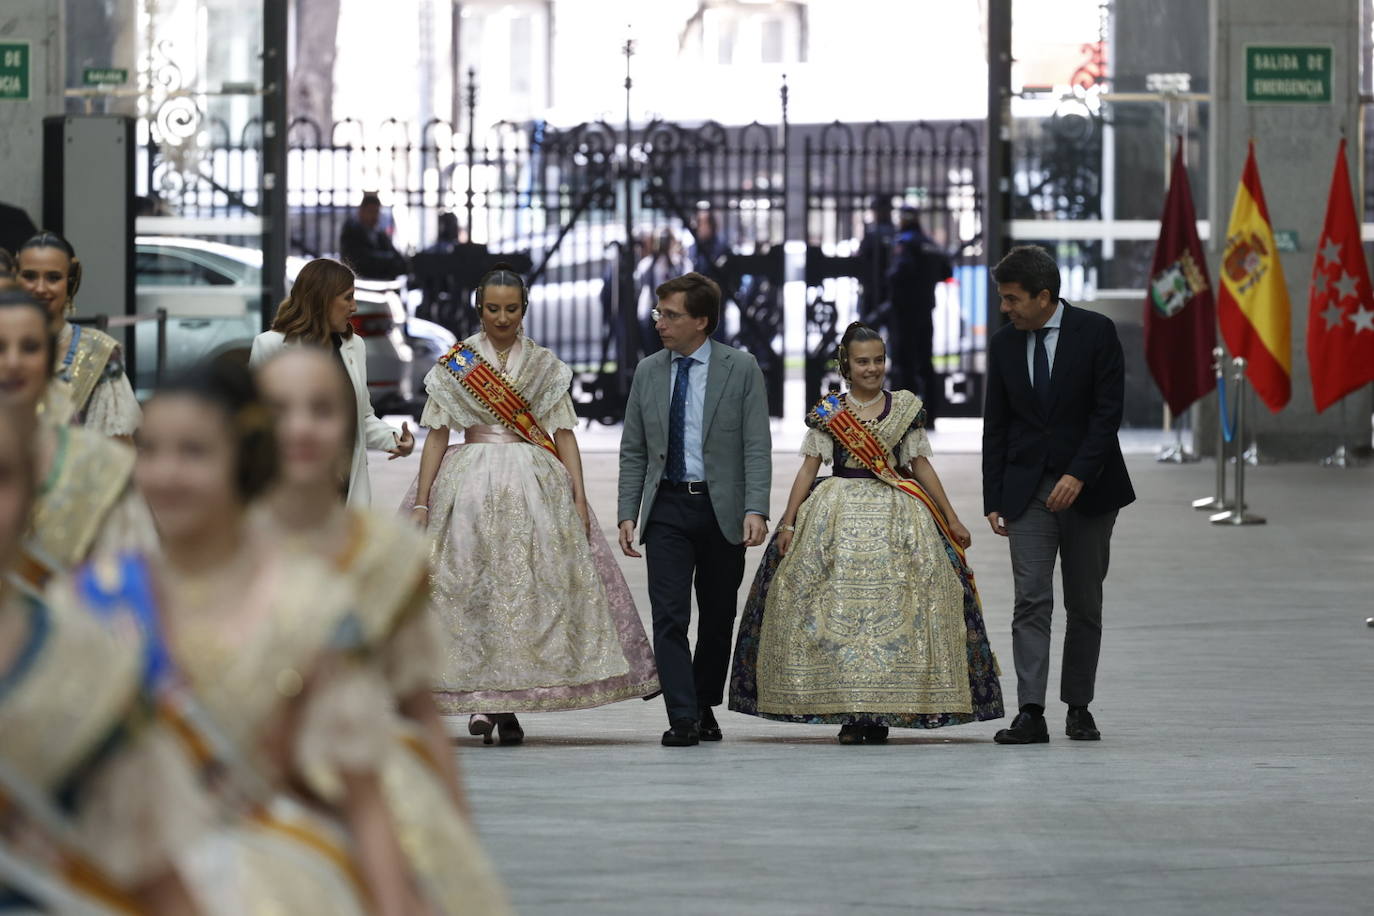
x=684 y=547
x=915 y=361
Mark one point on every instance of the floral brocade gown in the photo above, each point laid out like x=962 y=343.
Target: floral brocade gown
x=535 y=616
x=869 y=618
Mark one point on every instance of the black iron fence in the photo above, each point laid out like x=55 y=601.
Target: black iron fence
x=858 y=181
x=598 y=214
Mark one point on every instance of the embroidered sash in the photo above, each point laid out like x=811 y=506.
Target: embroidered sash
x=124 y=586
x=83 y=365
x=858 y=439
x=70 y=881
x=68 y=885
x=496 y=393
x=114 y=587
x=90 y=474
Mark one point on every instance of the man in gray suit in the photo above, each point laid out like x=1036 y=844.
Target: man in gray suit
x=696 y=466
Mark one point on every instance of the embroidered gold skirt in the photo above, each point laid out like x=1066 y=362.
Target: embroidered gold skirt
x=865 y=614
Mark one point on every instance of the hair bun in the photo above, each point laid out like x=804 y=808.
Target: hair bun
x=504 y=265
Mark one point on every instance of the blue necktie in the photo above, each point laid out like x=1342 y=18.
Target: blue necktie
x=677 y=423
x=1041 y=382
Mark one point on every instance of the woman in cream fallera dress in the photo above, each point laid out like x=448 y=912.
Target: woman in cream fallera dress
x=88 y=364
x=384 y=564
x=536 y=614
x=85 y=502
x=257 y=670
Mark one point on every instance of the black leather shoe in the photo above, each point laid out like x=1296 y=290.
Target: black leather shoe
x=1080 y=725
x=851 y=734
x=684 y=733
x=875 y=734
x=707 y=726
x=1025 y=729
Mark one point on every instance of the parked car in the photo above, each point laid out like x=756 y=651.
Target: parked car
x=428 y=341
x=213 y=294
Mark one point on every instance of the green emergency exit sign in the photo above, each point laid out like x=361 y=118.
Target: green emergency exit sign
x=1288 y=73
x=104 y=76
x=14 y=71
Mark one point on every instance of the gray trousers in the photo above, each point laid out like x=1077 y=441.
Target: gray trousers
x=1083 y=545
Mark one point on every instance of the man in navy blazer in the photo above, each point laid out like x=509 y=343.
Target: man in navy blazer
x=1053 y=479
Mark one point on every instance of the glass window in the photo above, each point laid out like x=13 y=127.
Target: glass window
x=162 y=268
x=771 y=52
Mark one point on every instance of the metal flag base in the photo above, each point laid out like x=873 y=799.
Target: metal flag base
x=1234 y=517
x=1212 y=504
x=1218 y=501
x=1340 y=458
x=1177 y=453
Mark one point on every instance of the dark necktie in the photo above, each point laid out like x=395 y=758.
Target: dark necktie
x=1041 y=381
x=677 y=422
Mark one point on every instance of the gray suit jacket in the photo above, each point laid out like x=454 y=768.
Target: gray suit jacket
x=737 y=444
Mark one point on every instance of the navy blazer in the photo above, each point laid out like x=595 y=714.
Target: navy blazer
x=1077 y=435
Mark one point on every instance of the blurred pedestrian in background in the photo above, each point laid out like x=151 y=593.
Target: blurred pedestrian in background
x=317 y=313
x=918 y=266
x=366 y=247
x=875 y=259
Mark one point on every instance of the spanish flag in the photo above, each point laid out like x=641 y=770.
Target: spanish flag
x=1252 y=304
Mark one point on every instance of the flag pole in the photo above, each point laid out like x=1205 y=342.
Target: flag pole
x=1219 y=501
x=1237 y=514
x=1175 y=452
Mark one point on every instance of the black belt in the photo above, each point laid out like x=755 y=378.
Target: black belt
x=690 y=487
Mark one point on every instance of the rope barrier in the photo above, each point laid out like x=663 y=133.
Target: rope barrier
x=1224 y=411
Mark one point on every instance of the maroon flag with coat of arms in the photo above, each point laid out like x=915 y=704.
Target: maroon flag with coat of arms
x=1180 y=313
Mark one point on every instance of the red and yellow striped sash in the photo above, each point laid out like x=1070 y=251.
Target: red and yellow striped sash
x=497 y=394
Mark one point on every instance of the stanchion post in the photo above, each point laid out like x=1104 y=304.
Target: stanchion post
x=1237 y=514
x=1219 y=501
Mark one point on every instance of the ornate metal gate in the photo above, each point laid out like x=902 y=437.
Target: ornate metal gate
x=933 y=168
x=597 y=215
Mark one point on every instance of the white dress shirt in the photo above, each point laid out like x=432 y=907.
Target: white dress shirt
x=1051 y=342
x=696 y=406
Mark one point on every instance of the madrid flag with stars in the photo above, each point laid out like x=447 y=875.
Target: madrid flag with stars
x=1340 y=311
x=1252 y=303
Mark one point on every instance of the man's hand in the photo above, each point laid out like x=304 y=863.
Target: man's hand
x=755 y=530
x=627 y=540
x=999 y=524
x=404 y=445
x=1064 y=493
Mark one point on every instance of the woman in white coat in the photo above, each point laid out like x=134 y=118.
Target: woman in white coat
x=317 y=313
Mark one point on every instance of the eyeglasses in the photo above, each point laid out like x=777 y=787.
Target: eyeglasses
x=660 y=315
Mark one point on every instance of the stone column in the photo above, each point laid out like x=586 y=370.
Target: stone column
x=1295 y=146
x=39 y=22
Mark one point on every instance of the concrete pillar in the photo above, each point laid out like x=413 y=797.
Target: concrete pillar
x=1295 y=145
x=39 y=23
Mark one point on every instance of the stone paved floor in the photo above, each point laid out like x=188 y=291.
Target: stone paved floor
x=1236 y=774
